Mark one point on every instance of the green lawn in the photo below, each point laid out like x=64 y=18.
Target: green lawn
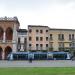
x=37 y=71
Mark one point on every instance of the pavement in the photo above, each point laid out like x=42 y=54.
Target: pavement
x=41 y=63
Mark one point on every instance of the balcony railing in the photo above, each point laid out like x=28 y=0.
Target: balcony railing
x=51 y=49
x=8 y=40
x=60 y=39
x=5 y=41
x=1 y=40
x=64 y=48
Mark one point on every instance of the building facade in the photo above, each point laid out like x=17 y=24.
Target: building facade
x=22 y=40
x=36 y=38
x=43 y=38
x=8 y=36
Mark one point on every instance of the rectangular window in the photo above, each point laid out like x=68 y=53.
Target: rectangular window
x=69 y=36
x=61 y=36
x=41 y=31
x=46 y=38
x=37 y=46
x=25 y=44
x=30 y=46
x=37 y=31
x=70 y=45
x=72 y=36
x=18 y=40
x=41 y=46
x=37 y=38
x=46 y=31
x=46 y=46
x=30 y=30
x=41 y=38
x=51 y=38
x=30 y=38
x=61 y=44
x=18 y=46
x=51 y=45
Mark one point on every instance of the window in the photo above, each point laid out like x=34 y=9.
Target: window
x=19 y=44
x=37 y=31
x=25 y=40
x=41 y=31
x=61 y=36
x=71 y=36
x=61 y=44
x=46 y=30
x=70 y=45
x=25 y=44
x=41 y=38
x=51 y=37
x=18 y=40
x=37 y=46
x=37 y=38
x=46 y=45
x=51 y=45
x=30 y=46
x=41 y=46
x=30 y=38
x=46 y=38
x=30 y=30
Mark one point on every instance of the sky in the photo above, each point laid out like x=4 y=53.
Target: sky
x=52 y=13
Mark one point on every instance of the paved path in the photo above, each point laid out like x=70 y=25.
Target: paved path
x=49 y=63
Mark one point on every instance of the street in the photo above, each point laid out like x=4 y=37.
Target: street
x=41 y=63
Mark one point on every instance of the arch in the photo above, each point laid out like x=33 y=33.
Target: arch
x=9 y=33
x=1 y=33
x=8 y=50
x=1 y=53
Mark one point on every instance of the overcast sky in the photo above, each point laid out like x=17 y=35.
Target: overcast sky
x=52 y=13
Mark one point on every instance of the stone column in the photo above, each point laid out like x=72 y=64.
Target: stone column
x=14 y=39
x=4 y=36
x=3 y=55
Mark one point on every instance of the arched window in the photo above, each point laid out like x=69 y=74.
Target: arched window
x=8 y=50
x=1 y=33
x=9 y=33
x=1 y=53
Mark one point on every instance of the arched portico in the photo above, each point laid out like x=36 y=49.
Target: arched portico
x=9 y=33
x=7 y=51
x=1 y=33
x=1 y=53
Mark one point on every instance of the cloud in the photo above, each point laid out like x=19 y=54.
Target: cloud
x=58 y=13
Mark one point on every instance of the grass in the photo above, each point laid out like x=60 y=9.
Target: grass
x=37 y=71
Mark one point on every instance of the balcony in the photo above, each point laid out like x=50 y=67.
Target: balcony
x=51 y=49
x=66 y=49
x=60 y=39
x=1 y=40
x=6 y=41
x=51 y=39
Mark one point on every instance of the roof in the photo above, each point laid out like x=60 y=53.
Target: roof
x=62 y=29
x=22 y=30
x=9 y=19
x=36 y=26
